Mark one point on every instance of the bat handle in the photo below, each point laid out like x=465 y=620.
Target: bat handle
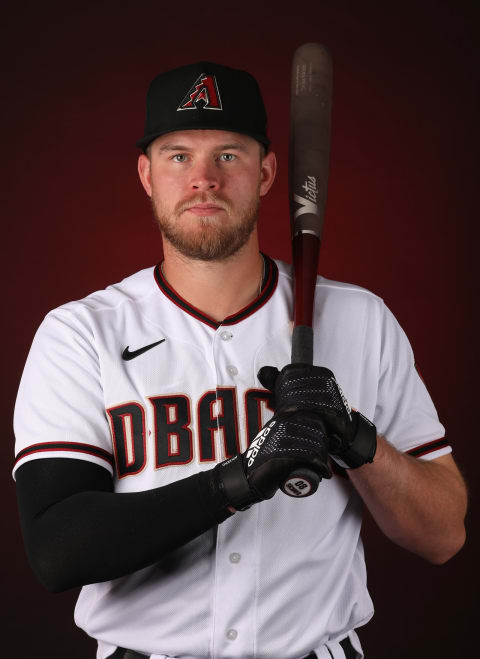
x=302 y=345
x=301 y=482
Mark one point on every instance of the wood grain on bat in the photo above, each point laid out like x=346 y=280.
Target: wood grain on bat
x=311 y=95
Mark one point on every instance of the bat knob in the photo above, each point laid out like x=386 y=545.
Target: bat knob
x=301 y=483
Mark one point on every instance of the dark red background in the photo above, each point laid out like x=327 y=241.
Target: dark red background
x=400 y=221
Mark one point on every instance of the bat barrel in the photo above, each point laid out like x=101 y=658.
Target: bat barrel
x=309 y=158
x=309 y=137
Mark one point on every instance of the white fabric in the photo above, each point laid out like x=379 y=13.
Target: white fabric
x=300 y=581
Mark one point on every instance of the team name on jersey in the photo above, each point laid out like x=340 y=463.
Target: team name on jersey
x=174 y=438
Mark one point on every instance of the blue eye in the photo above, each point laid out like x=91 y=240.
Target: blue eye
x=228 y=157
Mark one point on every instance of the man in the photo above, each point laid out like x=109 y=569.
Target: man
x=138 y=405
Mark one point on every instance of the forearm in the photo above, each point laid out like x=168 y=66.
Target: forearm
x=91 y=536
x=418 y=504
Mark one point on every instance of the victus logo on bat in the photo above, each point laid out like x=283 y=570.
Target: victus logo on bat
x=308 y=203
x=311 y=190
x=257 y=442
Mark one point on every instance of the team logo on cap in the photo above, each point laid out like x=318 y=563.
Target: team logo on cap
x=203 y=95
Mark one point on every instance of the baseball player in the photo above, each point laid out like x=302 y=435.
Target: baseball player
x=158 y=421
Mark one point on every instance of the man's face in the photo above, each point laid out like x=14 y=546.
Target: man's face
x=205 y=187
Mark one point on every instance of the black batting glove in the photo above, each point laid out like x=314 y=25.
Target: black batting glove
x=307 y=388
x=284 y=444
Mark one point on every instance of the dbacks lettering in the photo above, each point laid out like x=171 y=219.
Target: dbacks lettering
x=172 y=421
x=217 y=415
x=173 y=437
x=127 y=423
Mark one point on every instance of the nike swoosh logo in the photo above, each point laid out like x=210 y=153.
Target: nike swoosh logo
x=127 y=355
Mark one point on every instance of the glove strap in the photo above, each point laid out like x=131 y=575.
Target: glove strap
x=363 y=447
x=234 y=484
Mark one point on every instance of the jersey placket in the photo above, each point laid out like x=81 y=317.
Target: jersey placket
x=234 y=600
x=235 y=580
x=229 y=378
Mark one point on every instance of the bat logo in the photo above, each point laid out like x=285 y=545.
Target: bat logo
x=310 y=187
x=203 y=95
x=308 y=203
x=306 y=206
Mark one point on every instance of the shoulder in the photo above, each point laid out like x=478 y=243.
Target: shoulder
x=79 y=324
x=344 y=293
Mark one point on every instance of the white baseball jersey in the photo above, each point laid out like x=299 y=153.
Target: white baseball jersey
x=286 y=576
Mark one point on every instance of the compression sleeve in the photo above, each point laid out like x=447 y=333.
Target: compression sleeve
x=78 y=531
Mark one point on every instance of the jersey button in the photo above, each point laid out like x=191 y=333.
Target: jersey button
x=226 y=336
x=232 y=370
x=232 y=634
x=235 y=558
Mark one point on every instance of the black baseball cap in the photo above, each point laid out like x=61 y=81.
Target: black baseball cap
x=205 y=95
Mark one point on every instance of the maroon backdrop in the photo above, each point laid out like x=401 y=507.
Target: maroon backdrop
x=399 y=222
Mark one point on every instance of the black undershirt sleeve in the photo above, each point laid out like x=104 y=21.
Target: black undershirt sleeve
x=77 y=531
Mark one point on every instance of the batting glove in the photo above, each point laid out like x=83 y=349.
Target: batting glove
x=303 y=388
x=285 y=444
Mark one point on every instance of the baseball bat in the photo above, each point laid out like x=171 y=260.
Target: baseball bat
x=311 y=100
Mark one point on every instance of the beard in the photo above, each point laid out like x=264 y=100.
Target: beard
x=207 y=238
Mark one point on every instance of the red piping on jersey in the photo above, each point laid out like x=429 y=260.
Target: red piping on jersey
x=416 y=452
x=429 y=447
x=247 y=311
x=268 y=288
x=166 y=290
x=75 y=447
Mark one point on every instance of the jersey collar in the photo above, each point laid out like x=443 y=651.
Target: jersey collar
x=269 y=285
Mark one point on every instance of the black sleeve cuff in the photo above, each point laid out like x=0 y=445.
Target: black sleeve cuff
x=212 y=496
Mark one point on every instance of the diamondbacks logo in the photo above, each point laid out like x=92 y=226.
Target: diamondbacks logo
x=203 y=95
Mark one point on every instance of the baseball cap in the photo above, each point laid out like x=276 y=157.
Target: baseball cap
x=205 y=95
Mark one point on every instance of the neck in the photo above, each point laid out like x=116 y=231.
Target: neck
x=217 y=288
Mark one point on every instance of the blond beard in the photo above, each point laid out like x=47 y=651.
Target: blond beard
x=212 y=239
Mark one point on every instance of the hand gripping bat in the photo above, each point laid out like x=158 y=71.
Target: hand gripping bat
x=311 y=102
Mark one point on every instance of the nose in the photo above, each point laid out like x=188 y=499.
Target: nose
x=205 y=176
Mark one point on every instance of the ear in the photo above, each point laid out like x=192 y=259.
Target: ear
x=268 y=170
x=144 y=172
